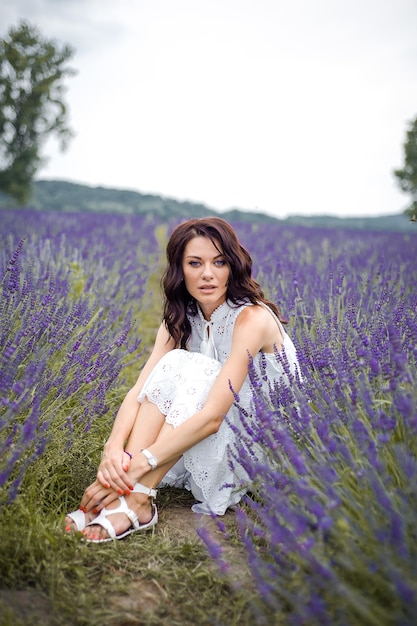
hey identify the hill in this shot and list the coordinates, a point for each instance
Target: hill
(65, 196)
(59, 195)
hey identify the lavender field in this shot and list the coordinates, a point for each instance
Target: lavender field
(330, 534)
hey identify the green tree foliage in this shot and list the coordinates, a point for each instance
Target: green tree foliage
(407, 176)
(32, 70)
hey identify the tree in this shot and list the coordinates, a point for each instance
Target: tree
(32, 70)
(407, 176)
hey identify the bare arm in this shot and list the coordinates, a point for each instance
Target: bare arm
(255, 330)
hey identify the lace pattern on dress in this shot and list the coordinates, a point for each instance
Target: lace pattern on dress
(179, 386)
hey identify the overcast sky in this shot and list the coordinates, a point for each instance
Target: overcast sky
(281, 106)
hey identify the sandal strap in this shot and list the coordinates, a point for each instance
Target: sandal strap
(139, 488)
(103, 521)
(78, 517)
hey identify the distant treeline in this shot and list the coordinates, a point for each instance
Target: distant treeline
(58, 195)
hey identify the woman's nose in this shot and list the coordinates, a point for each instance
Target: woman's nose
(207, 271)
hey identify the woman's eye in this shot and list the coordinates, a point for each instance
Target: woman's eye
(217, 263)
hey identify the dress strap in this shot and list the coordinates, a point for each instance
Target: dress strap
(276, 318)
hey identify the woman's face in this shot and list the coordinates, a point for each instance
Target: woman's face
(206, 273)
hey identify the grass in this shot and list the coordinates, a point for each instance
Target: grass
(164, 577)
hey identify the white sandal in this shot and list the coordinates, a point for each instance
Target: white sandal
(102, 520)
(79, 519)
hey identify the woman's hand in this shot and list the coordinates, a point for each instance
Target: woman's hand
(96, 497)
(113, 470)
(112, 481)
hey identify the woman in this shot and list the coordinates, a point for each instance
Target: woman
(170, 428)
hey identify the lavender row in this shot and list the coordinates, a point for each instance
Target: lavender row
(69, 286)
(330, 533)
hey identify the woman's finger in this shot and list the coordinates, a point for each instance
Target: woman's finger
(108, 499)
(117, 479)
(93, 494)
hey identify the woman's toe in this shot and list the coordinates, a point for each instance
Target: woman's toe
(95, 532)
(70, 525)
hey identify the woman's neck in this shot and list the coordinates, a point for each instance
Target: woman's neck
(207, 311)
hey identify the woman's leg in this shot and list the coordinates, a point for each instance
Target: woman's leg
(149, 424)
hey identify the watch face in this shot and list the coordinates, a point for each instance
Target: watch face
(152, 460)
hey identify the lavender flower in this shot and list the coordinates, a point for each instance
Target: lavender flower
(66, 325)
(334, 488)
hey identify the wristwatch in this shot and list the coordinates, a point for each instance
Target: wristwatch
(152, 460)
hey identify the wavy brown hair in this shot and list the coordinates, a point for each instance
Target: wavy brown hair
(241, 286)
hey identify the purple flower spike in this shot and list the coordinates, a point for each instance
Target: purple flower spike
(66, 311)
(330, 529)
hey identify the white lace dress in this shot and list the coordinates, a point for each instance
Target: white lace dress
(179, 386)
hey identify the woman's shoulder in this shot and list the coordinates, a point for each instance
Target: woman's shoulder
(260, 316)
(254, 312)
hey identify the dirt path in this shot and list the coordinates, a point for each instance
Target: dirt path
(30, 608)
(183, 523)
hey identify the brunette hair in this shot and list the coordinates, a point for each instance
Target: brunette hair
(241, 286)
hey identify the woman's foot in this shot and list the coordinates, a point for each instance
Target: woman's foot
(139, 504)
(76, 521)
